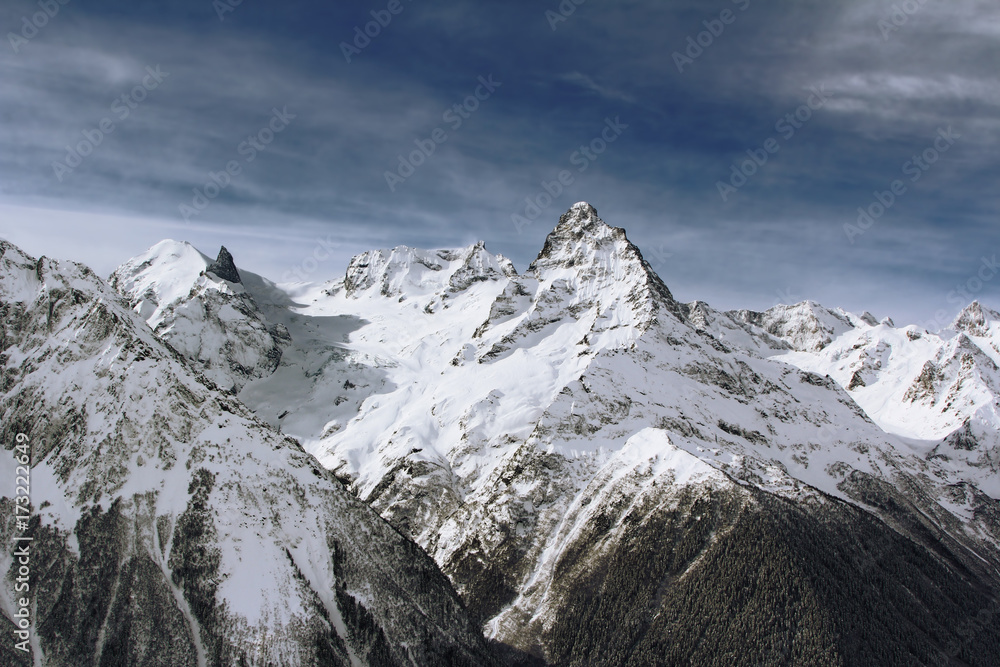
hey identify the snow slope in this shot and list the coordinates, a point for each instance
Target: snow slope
(938, 391)
(212, 321)
(175, 527)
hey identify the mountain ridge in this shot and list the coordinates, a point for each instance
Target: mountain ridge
(609, 476)
(265, 558)
(526, 422)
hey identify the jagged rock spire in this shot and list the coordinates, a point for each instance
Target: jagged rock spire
(581, 220)
(601, 259)
(224, 267)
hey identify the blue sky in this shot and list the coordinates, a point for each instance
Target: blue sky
(644, 108)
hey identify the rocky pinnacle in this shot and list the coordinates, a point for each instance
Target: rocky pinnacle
(224, 267)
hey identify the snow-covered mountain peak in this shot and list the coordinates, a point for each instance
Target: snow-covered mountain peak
(807, 325)
(579, 236)
(164, 274)
(975, 320)
(595, 262)
(700, 314)
(203, 310)
(405, 271)
(176, 253)
(17, 284)
(580, 214)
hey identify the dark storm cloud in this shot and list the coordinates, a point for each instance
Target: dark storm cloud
(889, 82)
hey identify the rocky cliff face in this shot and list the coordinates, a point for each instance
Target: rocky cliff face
(171, 526)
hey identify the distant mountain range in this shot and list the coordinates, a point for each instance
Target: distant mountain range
(437, 460)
